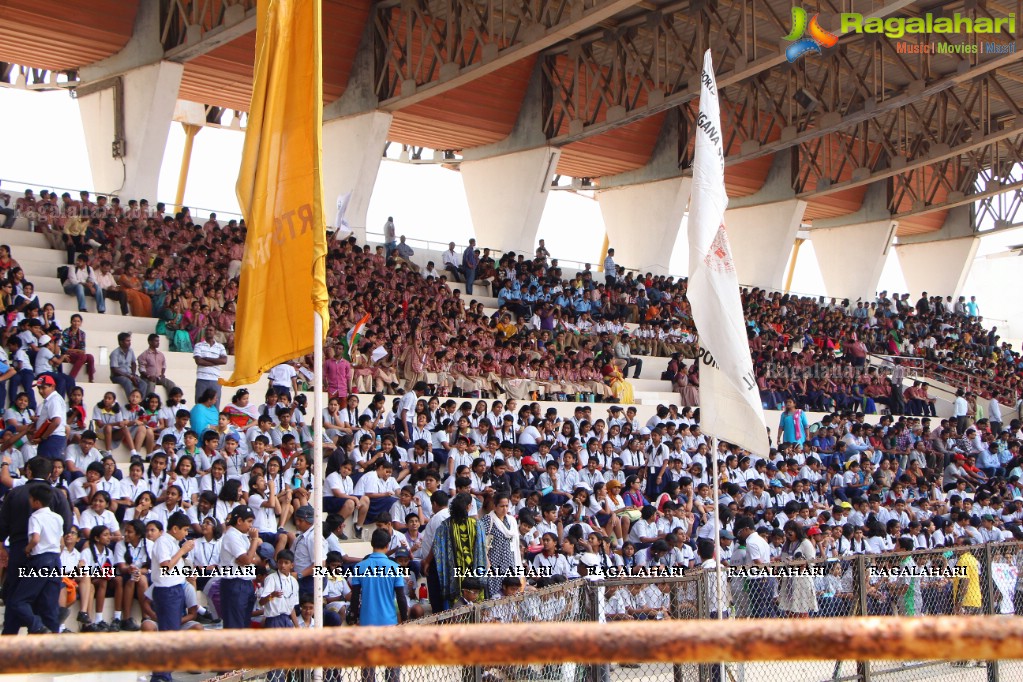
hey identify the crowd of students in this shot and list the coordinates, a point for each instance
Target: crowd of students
(457, 495)
(471, 484)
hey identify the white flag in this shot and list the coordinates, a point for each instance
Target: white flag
(730, 406)
(342, 230)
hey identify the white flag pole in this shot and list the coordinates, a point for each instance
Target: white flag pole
(317, 477)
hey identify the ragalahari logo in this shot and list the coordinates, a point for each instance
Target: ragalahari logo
(818, 38)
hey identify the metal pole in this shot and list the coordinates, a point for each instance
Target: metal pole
(944, 638)
(718, 568)
(862, 582)
(317, 477)
(993, 668)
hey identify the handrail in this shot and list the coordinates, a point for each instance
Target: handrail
(948, 638)
(955, 377)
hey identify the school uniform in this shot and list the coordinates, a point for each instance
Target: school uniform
(34, 602)
(168, 590)
(277, 612)
(237, 595)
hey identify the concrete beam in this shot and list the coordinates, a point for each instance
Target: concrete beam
(931, 158)
(142, 48)
(572, 24)
(724, 80)
(235, 26)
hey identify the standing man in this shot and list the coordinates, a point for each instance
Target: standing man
(470, 261)
(994, 413)
(169, 551)
(758, 553)
(14, 516)
(208, 356)
(610, 269)
(124, 367)
(378, 594)
(153, 366)
(51, 429)
(960, 410)
(390, 243)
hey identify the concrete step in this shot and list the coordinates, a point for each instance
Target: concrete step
(25, 253)
(22, 237)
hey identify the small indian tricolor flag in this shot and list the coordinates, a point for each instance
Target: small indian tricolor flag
(352, 337)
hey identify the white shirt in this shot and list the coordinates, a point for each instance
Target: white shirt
(50, 527)
(164, 550)
(210, 352)
(281, 375)
(233, 545)
(285, 604)
(757, 549)
(53, 407)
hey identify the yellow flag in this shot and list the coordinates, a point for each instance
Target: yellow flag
(283, 277)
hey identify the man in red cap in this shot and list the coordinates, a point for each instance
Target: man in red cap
(51, 427)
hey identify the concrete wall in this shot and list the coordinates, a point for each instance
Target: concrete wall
(150, 94)
(938, 267)
(761, 238)
(643, 222)
(352, 150)
(851, 257)
(507, 195)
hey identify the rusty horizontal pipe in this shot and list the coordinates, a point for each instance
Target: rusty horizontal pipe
(941, 638)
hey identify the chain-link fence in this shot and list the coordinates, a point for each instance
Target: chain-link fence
(978, 579)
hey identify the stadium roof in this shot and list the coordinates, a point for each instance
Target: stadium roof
(611, 82)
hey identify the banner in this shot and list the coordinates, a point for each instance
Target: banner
(283, 277)
(730, 406)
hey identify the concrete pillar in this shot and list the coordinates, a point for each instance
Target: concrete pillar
(643, 221)
(761, 238)
(938, 267)
(352, 150)
(506, 196)
(133, 110)
(940, 262)
(852, 257)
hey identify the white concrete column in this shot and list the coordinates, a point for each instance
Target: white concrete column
(643, 222)
(852, 257)
(352, 150)
(149, 96)
(761, 237)
(507, 195)
(938, 267)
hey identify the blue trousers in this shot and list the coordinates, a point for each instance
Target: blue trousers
(53, 447)
(169, 604)
(237, 598)
(22, 383)
(34, 603)
(78, 291)
(282, 621)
